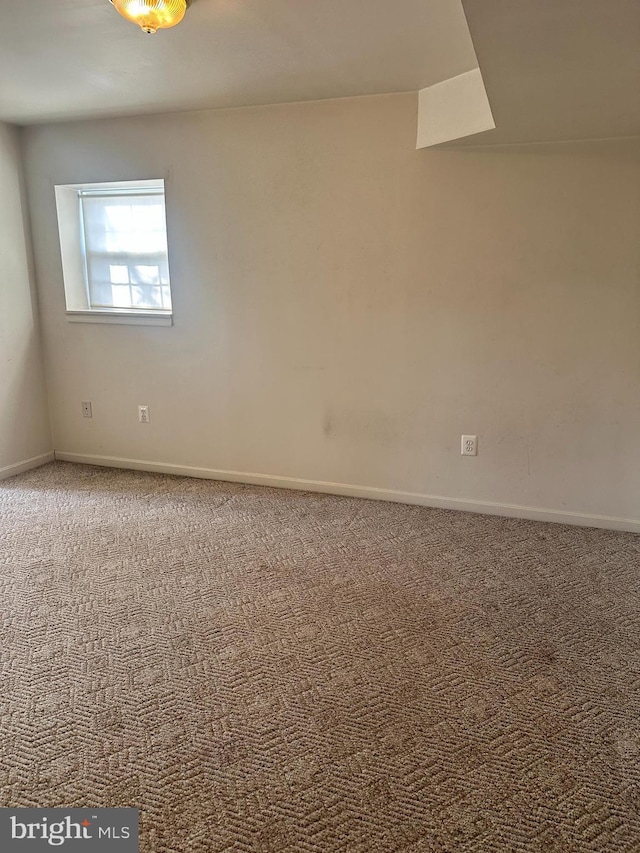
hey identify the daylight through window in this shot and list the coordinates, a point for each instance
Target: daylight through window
(113, 239)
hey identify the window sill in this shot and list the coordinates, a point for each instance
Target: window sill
(124, 318)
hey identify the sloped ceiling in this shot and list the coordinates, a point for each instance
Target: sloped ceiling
(558, 69)
(553, 69)
(79, 58)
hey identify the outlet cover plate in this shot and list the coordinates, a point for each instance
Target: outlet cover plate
(469, 445)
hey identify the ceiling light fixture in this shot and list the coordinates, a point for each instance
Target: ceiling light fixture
(152, 15)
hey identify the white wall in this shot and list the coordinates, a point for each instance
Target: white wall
(24, 420)
(347, 306)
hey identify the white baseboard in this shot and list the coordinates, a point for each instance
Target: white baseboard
(369, 492)
(26, 465)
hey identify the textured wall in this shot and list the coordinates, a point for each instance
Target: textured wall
(347, 306)
(24, 420)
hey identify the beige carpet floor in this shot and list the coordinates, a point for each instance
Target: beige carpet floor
(263, 670)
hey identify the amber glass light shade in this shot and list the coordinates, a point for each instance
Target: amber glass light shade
(152, 15)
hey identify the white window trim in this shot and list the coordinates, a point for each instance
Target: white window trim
(122, 317)
(71, 234)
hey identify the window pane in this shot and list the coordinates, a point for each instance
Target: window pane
(121, 295)
(151, 217)
(126, 243)
(118, 218)
(119, 274)
(146, 296)
(101, 294)
(133, 242)
(141, 274)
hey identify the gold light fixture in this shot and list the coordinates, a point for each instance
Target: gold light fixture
(152, 15)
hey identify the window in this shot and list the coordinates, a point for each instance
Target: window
(113, 241)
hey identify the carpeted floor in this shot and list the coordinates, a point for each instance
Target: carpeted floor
(263, 670)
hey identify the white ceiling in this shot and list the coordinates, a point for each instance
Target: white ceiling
(553, 69)
(63, 59)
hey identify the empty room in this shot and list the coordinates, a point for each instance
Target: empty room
(320, 426)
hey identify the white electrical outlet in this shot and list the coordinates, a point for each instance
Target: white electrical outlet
(86, 409)
(469, 445)
(143, 414)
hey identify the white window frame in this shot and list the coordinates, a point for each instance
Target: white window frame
(73, 256)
